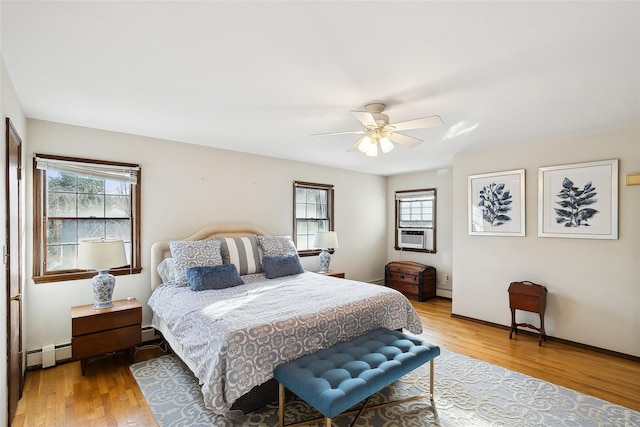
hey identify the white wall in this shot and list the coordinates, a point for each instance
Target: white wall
(442, 181)
(594, 285)
(185, 187)
(10, 107)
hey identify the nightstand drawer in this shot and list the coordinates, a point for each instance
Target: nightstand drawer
(100, 343)
(89, 320)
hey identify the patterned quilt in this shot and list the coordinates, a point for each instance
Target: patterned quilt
(237, 336)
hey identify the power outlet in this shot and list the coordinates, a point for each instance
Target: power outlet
(447, 280)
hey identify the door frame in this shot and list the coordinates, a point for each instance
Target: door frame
(13, 261)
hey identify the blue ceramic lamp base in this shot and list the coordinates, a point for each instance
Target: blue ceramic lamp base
(325, 259)
(103, 284)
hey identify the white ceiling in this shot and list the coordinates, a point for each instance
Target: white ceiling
(261, 77)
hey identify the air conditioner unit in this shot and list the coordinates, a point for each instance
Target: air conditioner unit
(412, 238)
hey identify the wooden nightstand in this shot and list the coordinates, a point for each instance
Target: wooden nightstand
(332, 273)
(99, 331)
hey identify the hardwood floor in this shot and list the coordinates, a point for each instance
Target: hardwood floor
(109, 396)
(605, 376)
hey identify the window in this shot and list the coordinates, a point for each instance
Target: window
(416, 220)
(312, 212)
(79, 199)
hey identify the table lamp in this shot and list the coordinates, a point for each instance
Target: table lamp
(101, 255)
(324, 241)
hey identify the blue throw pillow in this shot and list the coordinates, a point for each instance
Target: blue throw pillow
(216, 277)
(281, 265)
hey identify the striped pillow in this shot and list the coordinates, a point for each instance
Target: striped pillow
(242, 252)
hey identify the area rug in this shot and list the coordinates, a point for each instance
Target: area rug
(468, 392)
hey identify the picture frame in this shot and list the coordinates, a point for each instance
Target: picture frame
(497, 204)
(579, 200)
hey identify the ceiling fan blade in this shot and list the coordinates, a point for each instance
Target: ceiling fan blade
(406, 140)
(355, 146)
(425, 122)
(348, 132)
(365, 118)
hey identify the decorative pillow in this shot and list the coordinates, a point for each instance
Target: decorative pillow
(277, 245)
(217, 277)
(242, 252)
(165, 270)
(281, 265)
(198, 253)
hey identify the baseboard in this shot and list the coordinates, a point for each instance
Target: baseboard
(149, 334)
(63, 351)
(552, 338)
(445, 293)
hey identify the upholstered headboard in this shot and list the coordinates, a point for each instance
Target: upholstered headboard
(160, 250)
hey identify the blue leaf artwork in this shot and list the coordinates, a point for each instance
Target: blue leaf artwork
(574, 204)
(494, 202)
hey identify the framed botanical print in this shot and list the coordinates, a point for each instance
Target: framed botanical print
(497, 204)
(579, 200)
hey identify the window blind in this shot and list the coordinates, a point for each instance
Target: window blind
(118, 173)
(410, 196)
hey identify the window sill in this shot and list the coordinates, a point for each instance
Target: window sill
(427, 251)
(80, 275)
(312, 252)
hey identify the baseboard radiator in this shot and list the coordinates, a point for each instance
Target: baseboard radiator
(50, 354)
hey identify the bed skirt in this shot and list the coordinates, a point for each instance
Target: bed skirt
(257, 397)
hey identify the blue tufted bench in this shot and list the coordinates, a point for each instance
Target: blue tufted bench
(335, 379)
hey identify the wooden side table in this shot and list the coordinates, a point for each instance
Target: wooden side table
(99, 331)
(527, 296)
(332, 273)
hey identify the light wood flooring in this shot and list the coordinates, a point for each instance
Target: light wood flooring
(109, 396)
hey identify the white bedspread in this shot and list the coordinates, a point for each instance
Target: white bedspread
(237, 336)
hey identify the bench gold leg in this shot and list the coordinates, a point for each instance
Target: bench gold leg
(281, 405)
(431, 370)
(431, 388)
(327, 422)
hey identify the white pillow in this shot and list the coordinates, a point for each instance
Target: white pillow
(166, 270)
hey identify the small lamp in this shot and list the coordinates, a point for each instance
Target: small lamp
(325, 240)
(101, 255)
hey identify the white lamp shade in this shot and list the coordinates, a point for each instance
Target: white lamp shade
(364, 144)
(326, 239)
(386, 145)
(101, 254)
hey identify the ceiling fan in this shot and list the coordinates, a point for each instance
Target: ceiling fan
(378, 131)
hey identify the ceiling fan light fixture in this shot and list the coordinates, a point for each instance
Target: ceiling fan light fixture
(365, 144)
(373, 150)
(386, 145)
(377, 129)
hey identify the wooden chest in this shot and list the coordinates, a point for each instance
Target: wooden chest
(416, 281)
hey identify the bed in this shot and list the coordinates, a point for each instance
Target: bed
(232, 338)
